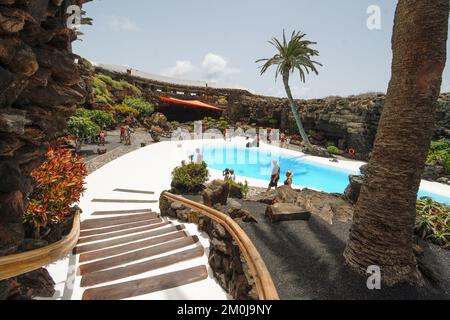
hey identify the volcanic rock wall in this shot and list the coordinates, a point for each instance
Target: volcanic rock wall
(349, 122)
(41, 83)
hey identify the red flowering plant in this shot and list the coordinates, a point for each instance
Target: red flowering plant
(59, 183)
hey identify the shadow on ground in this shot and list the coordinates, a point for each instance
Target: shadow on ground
(305, 259)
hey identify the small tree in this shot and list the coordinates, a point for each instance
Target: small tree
(100, 118)
(295, 55)
(82, 128)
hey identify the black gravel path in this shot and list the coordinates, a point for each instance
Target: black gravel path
(305, 261)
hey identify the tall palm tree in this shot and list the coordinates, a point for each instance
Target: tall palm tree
(293, 55)
(383, 225)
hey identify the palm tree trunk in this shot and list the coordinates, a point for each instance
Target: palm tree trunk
(300, 127)
(383, 226)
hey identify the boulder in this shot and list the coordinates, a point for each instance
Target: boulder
(326, 206)
(354, 188)
(244, 215)
(316, 151)
(236, 191)
(363, 169)
(286, 212)
(158, 120)
(283, 194)
(216, 192)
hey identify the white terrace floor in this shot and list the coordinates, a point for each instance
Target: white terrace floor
(150, 169)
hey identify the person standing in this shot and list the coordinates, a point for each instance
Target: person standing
(275, 177)
(232, 175)
(288, 181)
(199, 159)
(122, 133)
(128, 132)
(102, 138)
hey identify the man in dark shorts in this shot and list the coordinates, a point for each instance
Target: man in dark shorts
(275, 177)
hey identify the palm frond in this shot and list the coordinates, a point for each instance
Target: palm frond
(292, 55)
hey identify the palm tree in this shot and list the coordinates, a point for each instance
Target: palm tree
(293, 55)
(383, 224)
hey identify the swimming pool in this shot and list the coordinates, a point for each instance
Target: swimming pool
(257, 163)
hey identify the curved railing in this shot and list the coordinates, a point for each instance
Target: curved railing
(264, 284)
(18, 264)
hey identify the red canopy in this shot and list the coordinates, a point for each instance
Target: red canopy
(193, 103)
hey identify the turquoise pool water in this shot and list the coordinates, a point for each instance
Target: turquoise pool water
(256, 163)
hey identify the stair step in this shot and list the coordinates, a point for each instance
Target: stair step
(107, 222)
(122, 233)
(144, 286)
(133, 225)
(134, 191)
(123, 201)
(136, 255)
(95, 278)
(101, 213)
(105, 253)
(111, 243)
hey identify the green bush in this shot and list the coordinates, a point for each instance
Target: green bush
(333, 149)
(243, 186)
(125, 111)
(190, 178)
(100, 118)
(101, 91)
(145, 108)
(433, 222)
(82, 127)
(440, 154)
(119, 85)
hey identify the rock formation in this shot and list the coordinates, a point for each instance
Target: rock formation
(41, 83)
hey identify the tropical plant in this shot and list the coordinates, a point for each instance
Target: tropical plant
(295, 55)
(145, 108)
(384, 216)
(190, 177)
(433, 221)
(59, 183)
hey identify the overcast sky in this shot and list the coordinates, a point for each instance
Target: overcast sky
(221, 40)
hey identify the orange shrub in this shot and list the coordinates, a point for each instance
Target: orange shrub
(59, 184)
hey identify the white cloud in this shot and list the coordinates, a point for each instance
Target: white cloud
(119, 23)
(180, 69)
(216, 66)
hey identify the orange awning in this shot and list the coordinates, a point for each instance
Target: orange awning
(193, 103)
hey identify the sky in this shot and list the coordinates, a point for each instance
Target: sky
(221, 40)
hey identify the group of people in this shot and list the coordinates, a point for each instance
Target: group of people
(275, 177)
(284, 141)
(198, 158)
(228, 174)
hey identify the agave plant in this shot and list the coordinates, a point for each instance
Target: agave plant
(293, 55)
(433, 221)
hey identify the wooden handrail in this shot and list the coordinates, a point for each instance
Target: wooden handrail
(21, 263)
(264, 284)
